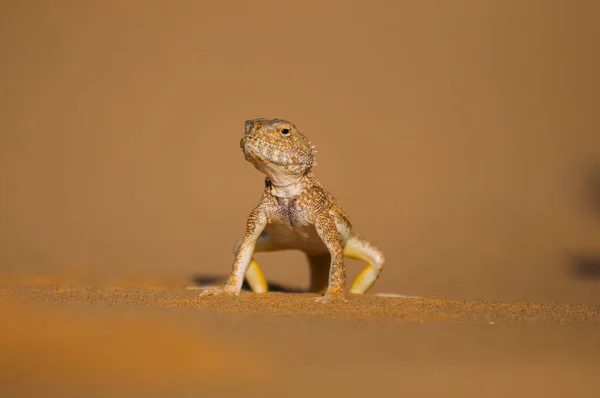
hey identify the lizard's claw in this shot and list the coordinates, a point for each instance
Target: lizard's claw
(219, 291)
(330, 298)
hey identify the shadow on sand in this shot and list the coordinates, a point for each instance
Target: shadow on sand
(203, 279)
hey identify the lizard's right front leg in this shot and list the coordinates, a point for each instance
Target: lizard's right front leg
(254, 226)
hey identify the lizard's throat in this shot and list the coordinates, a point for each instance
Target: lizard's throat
(283, 182)
(288, 189)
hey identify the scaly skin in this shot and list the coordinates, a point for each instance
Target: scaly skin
(296, 213)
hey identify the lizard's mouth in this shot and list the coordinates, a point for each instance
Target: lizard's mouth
(257, 149)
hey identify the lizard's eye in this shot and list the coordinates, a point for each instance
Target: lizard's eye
(285, 131)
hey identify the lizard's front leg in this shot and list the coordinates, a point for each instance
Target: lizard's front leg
(254, 226)
(254, 275)
(327, 230)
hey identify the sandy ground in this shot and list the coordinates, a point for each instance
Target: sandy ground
(146, 342)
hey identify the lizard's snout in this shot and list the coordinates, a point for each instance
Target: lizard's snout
(249, 125)
(252, 125)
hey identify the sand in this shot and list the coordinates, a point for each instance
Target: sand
(145, 342)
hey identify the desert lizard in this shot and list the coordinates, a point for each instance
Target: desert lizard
(295, 212)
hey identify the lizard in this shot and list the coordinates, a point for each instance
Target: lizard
(295, 212)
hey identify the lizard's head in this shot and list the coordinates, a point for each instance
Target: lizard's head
(275, 145)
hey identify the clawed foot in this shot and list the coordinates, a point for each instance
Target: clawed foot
(330, 298)
(219, 291)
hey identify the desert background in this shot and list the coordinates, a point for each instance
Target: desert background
(462, 138)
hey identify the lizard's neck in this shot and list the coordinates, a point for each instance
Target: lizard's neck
(285, 186)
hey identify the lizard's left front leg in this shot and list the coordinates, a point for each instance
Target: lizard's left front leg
(327, 230)
(254, 226)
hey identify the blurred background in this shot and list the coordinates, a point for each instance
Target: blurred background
(462, 138)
